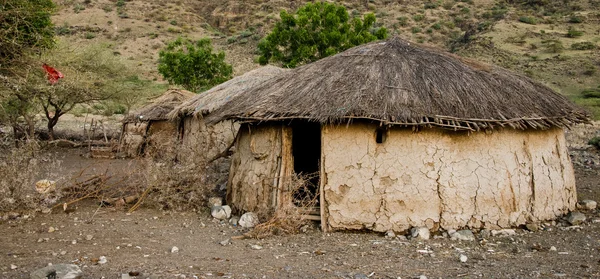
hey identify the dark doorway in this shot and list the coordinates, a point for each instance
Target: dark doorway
(306, 149)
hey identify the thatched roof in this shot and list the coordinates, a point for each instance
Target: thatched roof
(396, 82)
(158, 108)
(217, 96)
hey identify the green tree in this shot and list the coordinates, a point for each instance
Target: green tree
(315, 31)
(193, 65)
(25, 25)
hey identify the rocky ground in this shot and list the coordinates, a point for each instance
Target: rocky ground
(111, 243)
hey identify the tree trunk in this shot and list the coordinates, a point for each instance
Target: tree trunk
(30, 126)
(51, 123)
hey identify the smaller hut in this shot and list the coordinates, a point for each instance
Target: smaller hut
(199, 141)
(150, 123)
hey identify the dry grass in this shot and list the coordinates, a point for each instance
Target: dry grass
(288, 219)
(20, 168)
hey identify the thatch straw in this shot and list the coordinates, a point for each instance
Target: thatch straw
(396, 82)
(158, 108)
(217, 96)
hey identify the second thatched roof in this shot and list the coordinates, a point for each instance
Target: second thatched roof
(396, 82)
(217, 96)
(158, 108)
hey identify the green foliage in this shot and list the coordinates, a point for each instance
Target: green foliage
(403, 21)
(528, 20)
(574, 33)
(64, 29)
(584, 46)
(193, 65)
(575, 19)
(315, 31)
(431, 4)
(595, 142)
(553, 46)
(418, 17)
(25, 25)
(497, 12)
(591, 93)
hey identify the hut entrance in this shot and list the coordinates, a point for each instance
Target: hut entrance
(306, 150)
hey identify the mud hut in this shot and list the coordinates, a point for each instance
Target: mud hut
(402, 135)
(151, 124)
(205, 142)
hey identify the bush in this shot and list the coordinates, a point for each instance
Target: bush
(553, 46)
(584, 46)
(591, 93)
(431, 5)
(193, 65)
(575, 19)
(403, 21)
(315, 31)
(418, 17)
(595, 142)
(528, 20)
(574, 33)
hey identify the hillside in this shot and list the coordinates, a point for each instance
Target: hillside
(556, 43)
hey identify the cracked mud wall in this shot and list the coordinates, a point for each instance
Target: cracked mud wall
(444, 179)
(202, 142)
(255, 168)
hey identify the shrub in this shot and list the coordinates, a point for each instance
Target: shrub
(431, 5)
(437, 26)
(418, 17)
(591, 93)
(315, 31)
(575, 19)
(584, 46)
(415, 30)
(553, 46)
(90, 35)
(528, 20)
(64, 29)
(403, 21)
(595, 142)
(574, 33)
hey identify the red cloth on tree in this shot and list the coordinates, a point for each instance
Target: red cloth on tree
(53, 74)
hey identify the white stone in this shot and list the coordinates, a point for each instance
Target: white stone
(575, 218)
(588, 204)
(504, 232)
(248, 220)
(255, 247)
(174, 249)
(215, 201)
(63, 271)
(464, 235)
(463, 258)
(89, 237)
(45, 186)
(102, 260)
(390, 234)
(221, 212)
(12, 266)
(420, 233)
(553, 248)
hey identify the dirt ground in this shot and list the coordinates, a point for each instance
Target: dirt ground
(142, 242)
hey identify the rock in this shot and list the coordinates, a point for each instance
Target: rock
(587, 204)
(422, 277)
(255, 247)
(89, 237)
(533, 227)
(45, 186)
(125, 276)
(552, 248)
(390, 234)
(51, 229)
(504, 232)
(12, 266)
(225, 242)
(234, 221)
(174, 249)
(485, 233)
(221, 212)
(463, 258)
(102, 260)
(62, 271)
(464, 235)
(575, 218)
(420, 232)
(249, 220)
(215, 201)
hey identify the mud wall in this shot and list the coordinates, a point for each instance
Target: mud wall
(202, 142)
(132, 138)
(443, 179)
(255, 168)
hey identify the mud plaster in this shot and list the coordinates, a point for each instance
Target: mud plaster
(444, 179)
(201, 142)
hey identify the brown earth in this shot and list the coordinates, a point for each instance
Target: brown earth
(142, 242)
